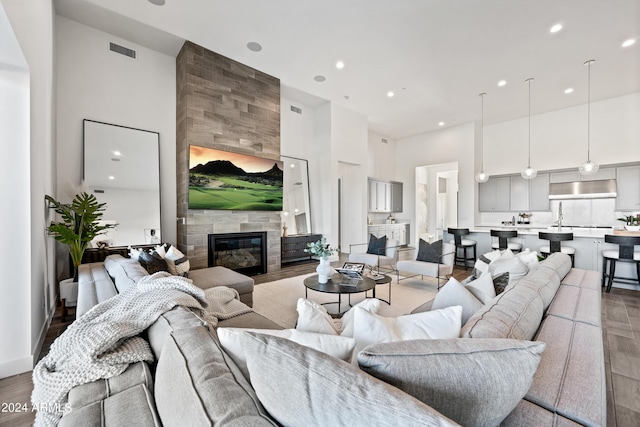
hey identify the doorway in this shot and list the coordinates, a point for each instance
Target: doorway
(436, 200)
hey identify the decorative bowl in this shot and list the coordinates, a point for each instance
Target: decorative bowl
(632, 227)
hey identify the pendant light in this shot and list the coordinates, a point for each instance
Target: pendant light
(588, 167)
(481, 176)
(529, 172)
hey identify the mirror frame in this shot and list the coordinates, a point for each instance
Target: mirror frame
(127, 134)
(307, 194)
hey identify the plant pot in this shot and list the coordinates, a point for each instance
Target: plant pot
(323, 270)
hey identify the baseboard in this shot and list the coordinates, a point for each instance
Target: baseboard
(16, 366)
(43, 335)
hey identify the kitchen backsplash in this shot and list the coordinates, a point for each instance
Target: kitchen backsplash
(600, 212)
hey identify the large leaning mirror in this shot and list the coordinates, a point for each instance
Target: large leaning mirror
(122, 169)
(296, 211)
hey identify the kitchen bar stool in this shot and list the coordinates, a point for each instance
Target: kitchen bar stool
(462, 245)
(625, 253)
(554, 244)
(503, 243)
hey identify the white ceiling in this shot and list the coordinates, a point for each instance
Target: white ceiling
(436, 55)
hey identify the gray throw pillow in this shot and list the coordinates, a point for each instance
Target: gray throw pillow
(475, 382)
(152, 262)
(429, 252)
(500, 282)
(300, 386)
(377, 245)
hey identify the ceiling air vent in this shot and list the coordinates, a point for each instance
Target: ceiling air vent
(384, 140)
(122, 50)
(296, 109)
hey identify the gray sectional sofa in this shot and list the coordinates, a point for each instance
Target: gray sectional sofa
(194, 382)
(99, 281)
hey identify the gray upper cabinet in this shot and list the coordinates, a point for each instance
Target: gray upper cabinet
(539, 193)
(519, 194)
(384, 196)
(494, 195)
(628, 183)
(514, 194)
(571, 176)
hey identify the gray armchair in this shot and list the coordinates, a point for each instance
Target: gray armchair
(442, 269)
(386, 260)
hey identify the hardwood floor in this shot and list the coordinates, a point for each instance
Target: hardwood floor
(621, 334)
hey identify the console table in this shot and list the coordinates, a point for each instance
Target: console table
(292, 247)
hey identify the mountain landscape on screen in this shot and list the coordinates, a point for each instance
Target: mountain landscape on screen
(230, 181)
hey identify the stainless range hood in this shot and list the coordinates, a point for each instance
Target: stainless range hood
(583, 189)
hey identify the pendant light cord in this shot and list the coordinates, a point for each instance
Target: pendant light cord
(529, 162)
(482, 126)
(589, 110)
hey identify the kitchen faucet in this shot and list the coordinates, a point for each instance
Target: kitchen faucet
(560, 216)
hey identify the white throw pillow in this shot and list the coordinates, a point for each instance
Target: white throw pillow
(494, 255)
(506, 254)
(134, 253)
(482, 288)
(313, 317)
(516, 269)
(370, 328)
(454, 293)
(173, 253)
(336, 346)
(372, 305)
(528, 258)
(160, 250)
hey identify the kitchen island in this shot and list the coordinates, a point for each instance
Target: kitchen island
(588, 243)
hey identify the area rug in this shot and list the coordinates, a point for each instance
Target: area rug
(277, 300)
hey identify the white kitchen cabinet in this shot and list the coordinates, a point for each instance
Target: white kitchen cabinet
(400, 232)
(628, 188)
(384, 196)
(494, 195)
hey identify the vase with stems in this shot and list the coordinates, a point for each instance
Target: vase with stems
(322, 250)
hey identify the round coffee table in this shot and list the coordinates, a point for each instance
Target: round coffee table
(334, 286)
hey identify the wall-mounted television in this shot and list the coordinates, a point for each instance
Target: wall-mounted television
(224, 180)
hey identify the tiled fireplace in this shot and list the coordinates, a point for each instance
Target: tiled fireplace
(225, 105)
(245, 253)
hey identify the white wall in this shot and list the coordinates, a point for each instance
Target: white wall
(381, 157)
(26, 128)
(454, 144)
(95, 83)
(327, 136)
(559, 138)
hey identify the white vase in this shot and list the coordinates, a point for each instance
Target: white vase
(323, 269)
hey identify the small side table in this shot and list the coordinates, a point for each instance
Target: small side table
(333, 286)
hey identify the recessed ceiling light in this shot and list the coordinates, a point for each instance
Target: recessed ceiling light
(502, 83)
(157, 2)
(555, 28)
(628, 43)
(254, 46)
(112, 177)
(319, 78)
(441, 124)
(390, 93)
(339, 65)
(568, 90)
(117, 153)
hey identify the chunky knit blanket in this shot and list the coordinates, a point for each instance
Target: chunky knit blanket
(103, 342)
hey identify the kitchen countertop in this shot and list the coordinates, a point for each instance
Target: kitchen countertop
(534, 229)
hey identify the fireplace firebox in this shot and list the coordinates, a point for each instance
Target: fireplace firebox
(245, 253)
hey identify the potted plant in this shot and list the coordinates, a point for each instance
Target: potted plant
(321, 249)
(79, 224)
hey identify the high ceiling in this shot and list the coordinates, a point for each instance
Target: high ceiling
(435, 55)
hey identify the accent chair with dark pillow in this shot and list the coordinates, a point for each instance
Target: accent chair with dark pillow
(385, 258)
(443, 253)
(377, 245)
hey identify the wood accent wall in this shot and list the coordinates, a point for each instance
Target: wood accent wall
(225, 105)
